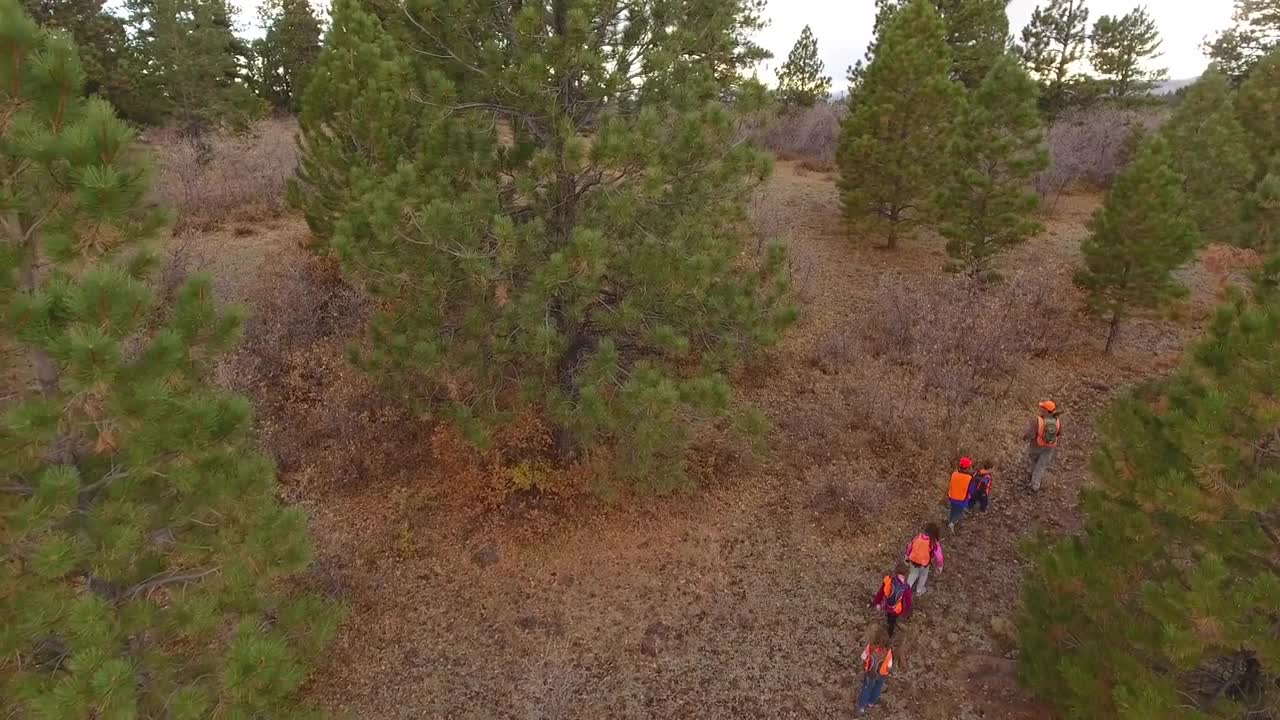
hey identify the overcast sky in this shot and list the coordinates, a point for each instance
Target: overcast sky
(843, 28)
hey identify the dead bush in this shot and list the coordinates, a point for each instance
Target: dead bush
(803, 134)
(1089, 146)
(835, 351)
(837, 494)
(893, 406)
(208, 180)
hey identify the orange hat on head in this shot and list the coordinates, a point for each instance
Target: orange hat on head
(1049, 405)
(965, 463)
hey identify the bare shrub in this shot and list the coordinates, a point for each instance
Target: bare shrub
(835, 351)
(894, 406)
(852, 498)
(803, 134)
(769, 225)
(1089, 146)
(211, 179)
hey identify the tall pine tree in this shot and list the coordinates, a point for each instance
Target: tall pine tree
(893, 141)
(1167, 604)
(142, 540)
(1257, 106)
(1121, 47)
(1052, 44)
(1254, 34)
(1137, 239)
(1210, 150)
(800, 79)
(284, 56)
(561, 232)
(1262, 214)
(978, 35)
(986, 202)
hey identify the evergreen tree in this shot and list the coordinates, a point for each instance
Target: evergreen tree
(1052, 43)
(104, 52)
(194, 70)
(1262, 214)
(1211, 153)
(892, 142)
(1138, 238)
(283, 57)
(800, 79)
(978, 35)
(1166, 605)
(522, 267)
(1120, 46)
(142, 540)
(1254, 34)
(1257, 105)
(885, 10)
(986, 200)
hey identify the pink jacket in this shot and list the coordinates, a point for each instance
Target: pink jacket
(935, 547)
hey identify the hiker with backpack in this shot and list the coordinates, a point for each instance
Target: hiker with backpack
(958, 491)
(877, 661)
(922, 550)
(1042, 437)
(894, 597)
(980, 489)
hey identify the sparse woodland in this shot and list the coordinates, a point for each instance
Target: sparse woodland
(460, 359)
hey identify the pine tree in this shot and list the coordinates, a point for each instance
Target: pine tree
(1211, 153)
(1120, 47)
(194, 70)
(892, 142)
(1166, 605)
(283, 57)
(142, 540)
(1254, 34)
(1138, 238)
(522, 267)
(104, 51)
(986, 201)
(1262, 214)
(885, 10)
(1052, 43)
(1257, 105)
(978, 35)
(800, 79)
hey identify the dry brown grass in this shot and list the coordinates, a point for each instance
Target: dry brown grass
(1088, 146)
(215, 179)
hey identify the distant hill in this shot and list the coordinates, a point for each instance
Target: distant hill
(1172, 86)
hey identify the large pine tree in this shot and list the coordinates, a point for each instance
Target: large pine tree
(893, 141)
(142, 541)
(283, 57)
(1254, 33)
(1257, 105)
(1120, 50)
(978, 35)
(1052, 44)
(1167, 604)
(1137, 239)
(104, 52)
(554, 221)
(800, 79)
(986, 201)
(1210, 150)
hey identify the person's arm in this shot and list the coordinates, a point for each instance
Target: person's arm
(888, 658)
(937, 556)
(879, 598)
(1032, 429)
(865, 652)
(906, 601)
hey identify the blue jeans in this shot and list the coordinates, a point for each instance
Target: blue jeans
(871, 687)
(957, 510)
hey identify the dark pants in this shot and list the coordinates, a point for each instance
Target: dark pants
(872, 684)
(957, 510)
(980, 501)
(891, 622)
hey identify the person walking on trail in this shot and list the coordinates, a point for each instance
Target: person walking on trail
(980, 490)
(894, 597)
(922, 550)
(958, 491)
(877, 662)
(1043, 438)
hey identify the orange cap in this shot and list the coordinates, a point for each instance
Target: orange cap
(1049, 405)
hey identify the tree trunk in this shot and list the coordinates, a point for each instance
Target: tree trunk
(1113, 331)
(46, 370)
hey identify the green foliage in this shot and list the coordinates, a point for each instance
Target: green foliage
(137, 524)
(553, 219)
(194, 70)
(1120, 46)
(1254, 34)
(1165, 606)
(978, 35)
(800, 79)
(1052, 43)
(1258, 106)
(1262, 214)
(892, 142)
(1210, 151)
(1138, 238)
(284, 55)
(986, 201)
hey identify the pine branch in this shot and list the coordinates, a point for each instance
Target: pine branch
(161, 581)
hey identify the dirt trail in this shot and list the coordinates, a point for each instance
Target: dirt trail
(745, 599)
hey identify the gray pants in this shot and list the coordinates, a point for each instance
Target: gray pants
(917, 573)
(1041, 459)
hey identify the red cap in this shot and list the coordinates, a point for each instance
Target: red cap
(965, 463)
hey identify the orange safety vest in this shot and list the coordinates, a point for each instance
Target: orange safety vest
(959, 489)
(919, 553)
(896, 608)
(885, 664)
(1057, 432)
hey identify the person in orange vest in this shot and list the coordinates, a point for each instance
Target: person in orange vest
(958, 491)
(922, 550)
(894, 597)
(877, 661)
(1043, 437)
(980, 490)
